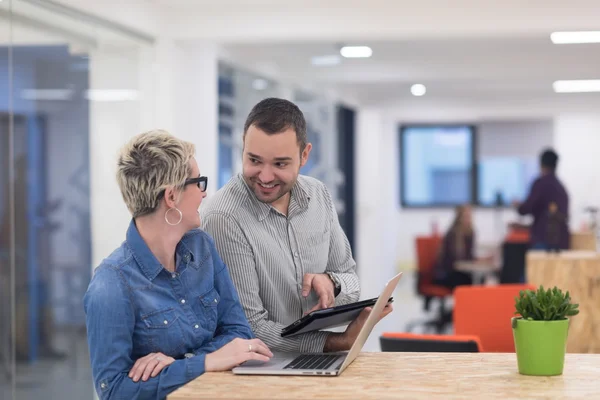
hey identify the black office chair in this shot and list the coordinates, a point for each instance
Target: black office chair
(513, 262)
(409, 342)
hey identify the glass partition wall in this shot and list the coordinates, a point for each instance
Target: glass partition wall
(239, 91)
(65, 79)
(71, 86)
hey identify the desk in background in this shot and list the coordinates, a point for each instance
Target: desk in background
(410, 376)
(579, 273)
(481, 271)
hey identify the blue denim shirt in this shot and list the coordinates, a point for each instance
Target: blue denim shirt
(135, 307)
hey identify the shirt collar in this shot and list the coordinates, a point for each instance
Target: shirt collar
(148, 263)
(299, 199)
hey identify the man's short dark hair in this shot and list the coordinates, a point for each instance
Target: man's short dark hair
(275, 115)
(549, 159)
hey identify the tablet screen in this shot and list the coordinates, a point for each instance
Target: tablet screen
(328, 318)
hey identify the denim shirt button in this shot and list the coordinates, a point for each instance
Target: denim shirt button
(173, 275)
(215, 300)
(166, 322)
(103, 385)
(196, 326)
(182, 301)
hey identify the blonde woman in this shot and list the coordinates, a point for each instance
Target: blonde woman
(161, 309)
(457, 246)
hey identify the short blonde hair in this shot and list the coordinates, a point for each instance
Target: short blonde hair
(150, 163)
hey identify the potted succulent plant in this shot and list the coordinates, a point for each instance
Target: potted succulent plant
(540, 331)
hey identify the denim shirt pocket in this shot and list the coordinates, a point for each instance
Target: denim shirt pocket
(210, 302)
(163, 331)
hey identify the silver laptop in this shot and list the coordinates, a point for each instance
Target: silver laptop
(328, 364)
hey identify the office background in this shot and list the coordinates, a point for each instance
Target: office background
(79, 78)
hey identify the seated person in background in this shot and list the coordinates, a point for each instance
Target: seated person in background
(457, 246)
(279, 234)
(161, 309)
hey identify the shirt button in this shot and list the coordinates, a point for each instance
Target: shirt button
(166, 322)
(103, 385)
(173, 275)
(215, 300)
(196, 326)
(296, 254)
(182, 301)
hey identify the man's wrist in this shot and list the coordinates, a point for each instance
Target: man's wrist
(336, 342)
(337, 284)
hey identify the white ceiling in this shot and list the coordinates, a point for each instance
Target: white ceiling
(24, 23)
(474, 50)
(450, 69)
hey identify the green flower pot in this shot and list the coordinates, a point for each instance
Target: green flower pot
(540, 346)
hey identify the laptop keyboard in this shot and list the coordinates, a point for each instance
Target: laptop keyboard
(317, 361)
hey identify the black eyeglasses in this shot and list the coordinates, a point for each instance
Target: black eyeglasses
(201, 181)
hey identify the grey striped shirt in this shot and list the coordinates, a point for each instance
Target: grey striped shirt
(268, 254)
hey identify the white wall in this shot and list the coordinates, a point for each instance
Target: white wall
(196, 104)
(388, 234)
(577, 140)
(111, 124)
(177, 91)
(375, 223)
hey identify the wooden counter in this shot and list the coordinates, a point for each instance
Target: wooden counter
(579, 273)
(583, 241)
(410, 376)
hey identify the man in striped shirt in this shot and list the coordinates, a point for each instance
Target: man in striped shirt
(279, 234)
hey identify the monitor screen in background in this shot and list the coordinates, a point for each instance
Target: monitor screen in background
(437, 165)
(511, 177)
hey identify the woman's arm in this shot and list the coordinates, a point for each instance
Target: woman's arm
(110, 321)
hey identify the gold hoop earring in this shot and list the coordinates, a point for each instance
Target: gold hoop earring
(167, 214)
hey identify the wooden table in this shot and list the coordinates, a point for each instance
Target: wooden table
(579, 273)
(410, 376)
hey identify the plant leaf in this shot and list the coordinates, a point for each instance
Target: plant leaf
(545, 304)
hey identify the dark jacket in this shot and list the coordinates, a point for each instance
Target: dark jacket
(545, 190)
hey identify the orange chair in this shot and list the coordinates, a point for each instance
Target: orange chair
(410, 342)
(517, 236)
(485, 311)
(428, 248)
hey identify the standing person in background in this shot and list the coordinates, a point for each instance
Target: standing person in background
(547, 195)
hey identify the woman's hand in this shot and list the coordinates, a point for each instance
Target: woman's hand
(149, 366)
(236, 352)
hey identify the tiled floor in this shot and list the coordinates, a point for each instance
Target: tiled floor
(71, 378)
